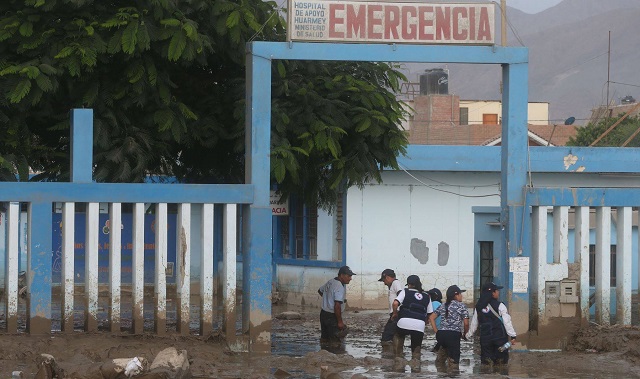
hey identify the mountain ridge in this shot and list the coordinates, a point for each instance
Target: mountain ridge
(568, 45)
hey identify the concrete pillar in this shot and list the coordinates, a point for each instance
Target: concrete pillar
(257, 260)
(560, 235)
(514, 165)
(538, 263)
(39, 266)
(582, 256)
(624, 271)
(603, 265)
(229, 253)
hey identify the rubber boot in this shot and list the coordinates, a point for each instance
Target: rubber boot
(387, 349)
(398, 364)
(441, 360)
(441, 356)
(453, 366)
(416, 359)
(398, 349)
(398, 345)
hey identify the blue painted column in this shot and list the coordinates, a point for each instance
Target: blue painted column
(514, 162)
(40, 218)
(39, 256)
(257, 259)
(82, 145)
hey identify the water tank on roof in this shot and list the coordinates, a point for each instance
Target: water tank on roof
(434, 82)
(628, 100)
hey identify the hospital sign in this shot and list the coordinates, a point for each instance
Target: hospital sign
(391, 22)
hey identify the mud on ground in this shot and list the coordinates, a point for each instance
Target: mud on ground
(596, 352)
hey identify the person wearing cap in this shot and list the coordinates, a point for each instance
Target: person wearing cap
(411, 308)
(454, 324)
(496, 328)
(436, 301)
(388, 277)
(334, 292)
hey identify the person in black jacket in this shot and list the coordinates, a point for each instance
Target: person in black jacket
(496, 329)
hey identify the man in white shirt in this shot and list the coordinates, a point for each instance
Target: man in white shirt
(333, 292)
(388, 277)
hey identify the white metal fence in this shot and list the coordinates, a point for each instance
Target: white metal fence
(210, 299)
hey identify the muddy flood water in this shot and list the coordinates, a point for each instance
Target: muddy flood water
(300, 338)
(596, 352)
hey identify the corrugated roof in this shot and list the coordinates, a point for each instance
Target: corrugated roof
(481, 135)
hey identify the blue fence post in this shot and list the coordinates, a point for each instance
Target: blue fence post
(39, 268)
(257, 254)
(82, 145)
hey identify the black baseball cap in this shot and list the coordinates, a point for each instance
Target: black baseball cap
(491, 286)
(345, 270)
(435, 294)
(387, 272)
(453, 290)
(414, 280)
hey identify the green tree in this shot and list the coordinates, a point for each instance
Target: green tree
(616, 137)
(166, 82)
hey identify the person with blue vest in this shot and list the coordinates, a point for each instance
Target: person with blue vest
(436, 302)
(496, 330)
(411, 308)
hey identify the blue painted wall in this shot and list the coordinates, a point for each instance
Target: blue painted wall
(103, 247)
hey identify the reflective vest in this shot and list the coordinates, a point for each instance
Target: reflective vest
(414, 305)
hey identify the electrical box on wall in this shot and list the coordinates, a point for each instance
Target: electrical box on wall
(569, 291)
(552, 299)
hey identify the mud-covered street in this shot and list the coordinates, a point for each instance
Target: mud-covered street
(612, 352)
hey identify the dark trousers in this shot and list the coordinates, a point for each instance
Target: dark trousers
(489, 352)
(416, 337)
(328, 326)
(450, 340)
(389, 330)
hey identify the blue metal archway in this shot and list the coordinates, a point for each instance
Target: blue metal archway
(260, 55)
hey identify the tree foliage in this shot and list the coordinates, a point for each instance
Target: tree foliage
(616, 138)
(166, 82)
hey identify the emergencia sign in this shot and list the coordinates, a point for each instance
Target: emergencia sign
(391, 22)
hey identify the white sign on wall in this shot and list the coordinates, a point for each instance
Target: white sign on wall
(520, 282)
(391, 22)
(519, 266)
(278, 208)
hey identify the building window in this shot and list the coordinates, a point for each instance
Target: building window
(339, 229)
(296, 236)
(486, 262)
(298, 232)
(464, 116)
(490, 119)
(592, 265)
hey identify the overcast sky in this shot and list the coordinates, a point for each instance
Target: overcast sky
(531, 6)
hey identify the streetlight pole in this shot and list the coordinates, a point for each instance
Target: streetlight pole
(503, 24)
